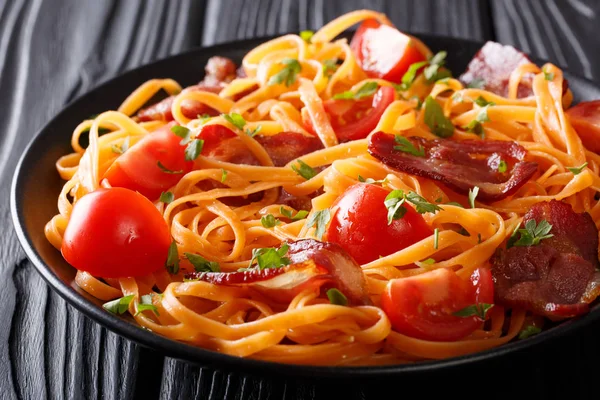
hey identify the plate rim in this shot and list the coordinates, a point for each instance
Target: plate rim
(213, 359)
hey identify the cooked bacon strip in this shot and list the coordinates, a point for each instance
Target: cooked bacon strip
(494, 63)
(460, 165)
(555, 278)
(585, 118)
(314, 264)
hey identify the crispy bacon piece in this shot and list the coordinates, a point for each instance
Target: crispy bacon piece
(556, 278)
(494, 63)
(585, 118)
(460, 165)
(314, 264)
(288, 146)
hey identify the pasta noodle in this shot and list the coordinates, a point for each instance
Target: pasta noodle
(310, 330)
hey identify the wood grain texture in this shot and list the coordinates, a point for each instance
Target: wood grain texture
(51, 51)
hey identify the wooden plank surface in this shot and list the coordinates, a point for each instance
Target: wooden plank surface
(54, 50)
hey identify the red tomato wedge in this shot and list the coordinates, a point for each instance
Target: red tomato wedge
(383, 51)
(116, 233)
(353, 120)
(360, 224)
(585, 118)
(422, 306)
(137, 169)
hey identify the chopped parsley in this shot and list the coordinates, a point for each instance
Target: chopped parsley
(422, 206)
(270, 257)
(502, 166)
(482, 102)
(193, 149)
(548, 75)
(366, 90)
(118, 306)
(289, 214)
(288, 73)
(172, 263)
(532, 235)
(528, 331)
(473, 195)
(307, 35)
(578, 170)
(433, 72)
(146, 304)
(336, 297)
(409, 76)
(428, 261)
(319, 219)
(406, 146)
(304, 170)
(476, 310)
(223, 175)
(235, 119)
(166, 197)
(201, 264)
(476, 83)
(394, 202)
(329, 67)
(436, 120)
(476, 126)
(184, 133)
(457, 97)
(371, 180)
(167, 170)
(254, 132)
(122, 148)
(269, 221)
(203, 118)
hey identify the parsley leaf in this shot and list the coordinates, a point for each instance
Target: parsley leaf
(394, 202)
(476, 310)
(433, 73)
(457, 97)
(428, 261)
(254, 132)
(407, 146)
(422, 206)
(319, 220)
(530, 330)
(436, 238)
(223, 175)
(288, 214)
(476, 83)
(371, 180)
(436, 120)
(118, 306)
(336, 297)
(473, 195)
(203, 118)
(532, 235)
(184, 133)
(482, 116)
(475, 127)
(368, 89)
(409, 76)
(307, 35)
(172, 263)
(235, 119)
(329, 67)
(201, 264)
(548, 75)
(288, 74)
(270, 258)
(121, 149)
(482, 102)
(167, 170)
(166, 197)
(502, 166)
(193, 149)
(454, 203)
(146, 304)
(269, 221)
(304, 170)
(578, 170)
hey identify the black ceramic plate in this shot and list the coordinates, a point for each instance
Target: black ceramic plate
(36, 185)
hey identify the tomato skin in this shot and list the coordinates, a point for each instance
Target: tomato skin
(360, 224)
(422, 306)
(137, 169)
(585, 118)
(354, 120)
(115, 233)
(383, 51)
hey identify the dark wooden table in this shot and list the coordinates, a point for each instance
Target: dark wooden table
(52, 51)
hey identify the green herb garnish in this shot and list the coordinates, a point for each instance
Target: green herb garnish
(578, 170)
(304, 170)
(476, 310)
(301, 214)
(201, 264)
(336, 297)
(235, 119)
(166, 197)
(270, 258)
(118, 306)
(172, 263)
(406, 146)
(319, 219)
(532, 235)
(269, 221)
(436, 120)
(288, 74)
(368, 89)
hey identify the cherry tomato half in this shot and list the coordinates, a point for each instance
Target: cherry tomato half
(137, 169)
(383, 51)
(361, 227)
(422, 306)
(353, 120)
(585, 118)
(115, 233)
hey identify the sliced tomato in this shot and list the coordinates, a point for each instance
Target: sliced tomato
(585, 118)
(138, 168)
(423, 306)
(116, 233)
(360, 224)
(353, 120)
(383, 51)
